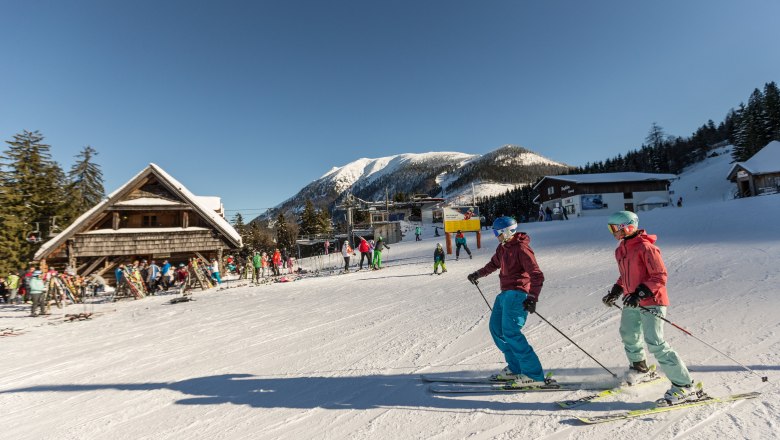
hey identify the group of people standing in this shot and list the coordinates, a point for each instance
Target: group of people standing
(264, 264)
(641, 285)
(370, 252)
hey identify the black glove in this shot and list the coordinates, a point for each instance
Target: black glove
(610, 298)
(639, 294)
(529, 305)
(473, 278)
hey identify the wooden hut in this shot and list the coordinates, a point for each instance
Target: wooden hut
(152, 216)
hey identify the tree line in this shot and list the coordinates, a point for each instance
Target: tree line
(38, 198)
(749, 128)
(283, 231)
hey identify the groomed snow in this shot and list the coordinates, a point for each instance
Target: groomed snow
(339, 357)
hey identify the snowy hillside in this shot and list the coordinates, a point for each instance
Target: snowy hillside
(339, 357)
(367, 170)
(437, 174)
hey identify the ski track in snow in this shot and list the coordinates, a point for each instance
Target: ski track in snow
(339, 356)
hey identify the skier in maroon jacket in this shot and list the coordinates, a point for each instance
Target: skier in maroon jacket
(521, 281)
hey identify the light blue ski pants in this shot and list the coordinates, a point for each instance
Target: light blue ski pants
(636, 324)
(506, 323)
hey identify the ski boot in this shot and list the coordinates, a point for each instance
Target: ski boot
(680, 394)
(639, 372)
(505, 375)
(525, 381)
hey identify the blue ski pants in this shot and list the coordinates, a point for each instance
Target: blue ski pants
(506, 323)
(636, 325)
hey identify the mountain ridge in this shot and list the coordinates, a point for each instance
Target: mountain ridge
(436, 174)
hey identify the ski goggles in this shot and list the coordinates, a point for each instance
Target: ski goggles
(498, 232)
(616, 228)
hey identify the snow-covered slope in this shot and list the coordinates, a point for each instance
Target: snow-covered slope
(437, 174)
(338, 357)
(367, 170)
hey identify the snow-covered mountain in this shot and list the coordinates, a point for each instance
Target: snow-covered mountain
(437, 174)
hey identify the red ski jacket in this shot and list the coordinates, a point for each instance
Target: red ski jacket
(639, 262)
(363, 246)
(517, 263)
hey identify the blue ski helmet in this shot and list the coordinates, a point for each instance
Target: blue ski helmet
(505, 225)
(625, 221)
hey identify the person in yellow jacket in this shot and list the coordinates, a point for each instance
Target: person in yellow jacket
(12, 286)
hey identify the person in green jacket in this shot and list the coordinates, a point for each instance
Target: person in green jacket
(36, 293)
(380, 244)
(257, 263)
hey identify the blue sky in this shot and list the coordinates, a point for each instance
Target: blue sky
(251, 100)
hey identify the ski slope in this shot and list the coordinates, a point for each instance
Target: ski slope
(339, 357)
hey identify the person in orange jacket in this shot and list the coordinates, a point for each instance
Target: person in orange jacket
(277, 261)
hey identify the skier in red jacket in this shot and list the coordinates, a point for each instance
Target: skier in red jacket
(642, 282)
(521, 282)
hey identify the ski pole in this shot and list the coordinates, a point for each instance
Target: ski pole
(556, 328)
(654, 313)
(575, 344)
(483, 296)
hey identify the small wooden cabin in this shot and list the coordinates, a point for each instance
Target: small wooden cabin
(152, 216)
(760, 174)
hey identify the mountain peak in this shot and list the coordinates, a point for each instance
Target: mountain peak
(432, 173)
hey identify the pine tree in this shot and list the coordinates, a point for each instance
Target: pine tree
(86, 182)
(309, 224)
(324, 222)
(31, 194)
(285, 237)
(772, 110)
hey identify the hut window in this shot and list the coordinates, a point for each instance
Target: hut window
(149, 221)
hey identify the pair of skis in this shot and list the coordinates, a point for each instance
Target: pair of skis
(472, 385)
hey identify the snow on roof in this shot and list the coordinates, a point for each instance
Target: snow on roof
(212, 202)
(654, 200)
(144, 230)
(610, 177)
(147, 201)
(765, 161)
(199, 205)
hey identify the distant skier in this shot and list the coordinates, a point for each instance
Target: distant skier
(365, 253)
(380, 244)
(521, 282)
(642, 282)
(417, 233)
(346, 252)
(438, 259)
(276, 261)
(215, 271)
(257, 264)
(460, 241)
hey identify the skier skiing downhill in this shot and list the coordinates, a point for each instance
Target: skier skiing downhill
(521, 282)
(642, 282)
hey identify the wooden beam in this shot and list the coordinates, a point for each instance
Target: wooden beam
(109, 265)
(92, 266)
